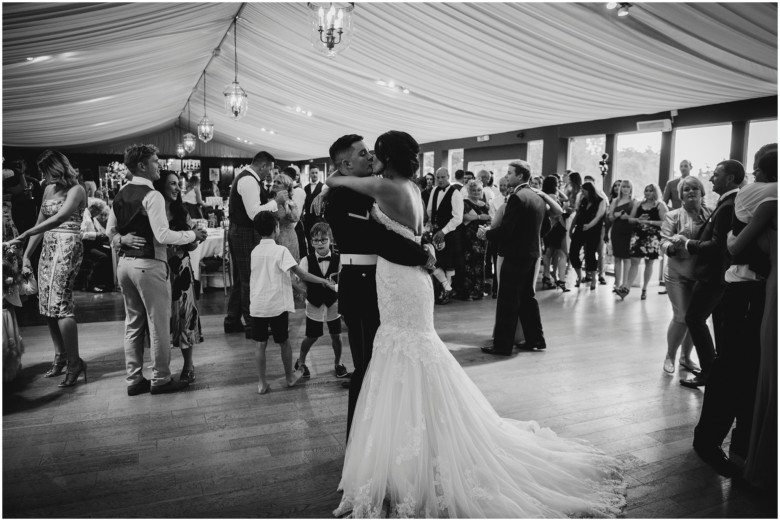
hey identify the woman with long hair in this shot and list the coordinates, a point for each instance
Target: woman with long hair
(192, 198)
(647, 218)
(678, 277)
(288, 215)
(555, 256)
(619, 211)
(59, 226)
(586, 232)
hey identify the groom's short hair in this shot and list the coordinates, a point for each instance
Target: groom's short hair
(341, 146)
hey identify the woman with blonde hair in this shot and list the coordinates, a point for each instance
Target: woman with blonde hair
(620, 234)
(685, 221)
(288, 215)
(647, 218)
(59, 225)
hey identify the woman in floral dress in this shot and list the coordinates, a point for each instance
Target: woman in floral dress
(288, 215)
(647, 218)
(59, 226)
(475, 214)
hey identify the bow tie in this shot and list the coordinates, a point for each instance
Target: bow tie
(323, 259)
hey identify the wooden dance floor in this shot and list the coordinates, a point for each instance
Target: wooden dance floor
(221, 450)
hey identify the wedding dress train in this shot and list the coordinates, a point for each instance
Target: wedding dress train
(425, 442)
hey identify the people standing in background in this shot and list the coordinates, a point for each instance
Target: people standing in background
(475, 214)
(445, 215)
(192, 199)
(59, 226)
(555, 253)
(647, 218)
(248, 197)
(492, 249)
(586, 231)
(287, 216)
(671, 195)
(299, 198)
(313, 189)
(620, 210)
(459, 178)
(425, 193)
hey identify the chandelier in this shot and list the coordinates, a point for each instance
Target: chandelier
(235, 97)
(331, 26)
(205, 127)
(189, 140)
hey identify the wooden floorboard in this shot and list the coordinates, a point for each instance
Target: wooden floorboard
(219, 450)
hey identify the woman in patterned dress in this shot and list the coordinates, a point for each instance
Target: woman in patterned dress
(185, 323)
(59, 225)
(647, 216)
(288, 215)
(475, 214)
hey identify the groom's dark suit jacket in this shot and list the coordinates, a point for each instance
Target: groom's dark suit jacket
(348, 214)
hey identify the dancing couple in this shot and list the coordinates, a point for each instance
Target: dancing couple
(422, 439)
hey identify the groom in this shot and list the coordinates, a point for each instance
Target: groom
(360, 240)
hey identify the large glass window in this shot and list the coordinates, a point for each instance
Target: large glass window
(760, 133)
(638, 158)
(455, 161)
(535, 151)
(585, 154)
(428, 163)
(497, 167)
(704, 147)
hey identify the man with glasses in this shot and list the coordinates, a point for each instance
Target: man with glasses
(248, 197)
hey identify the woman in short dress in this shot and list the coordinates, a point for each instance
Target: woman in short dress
(288, 215)
(647, 218)
(620, 235)
(59, 226)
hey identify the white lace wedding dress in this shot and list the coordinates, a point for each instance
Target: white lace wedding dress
(426, 443)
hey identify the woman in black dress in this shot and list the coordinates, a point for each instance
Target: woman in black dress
(586, 232)
(620, 235)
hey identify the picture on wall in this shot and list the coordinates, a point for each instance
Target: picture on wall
(214, 174)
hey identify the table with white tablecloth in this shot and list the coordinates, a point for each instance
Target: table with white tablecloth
(213, 246)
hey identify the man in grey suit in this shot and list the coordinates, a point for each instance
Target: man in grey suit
(519, 242)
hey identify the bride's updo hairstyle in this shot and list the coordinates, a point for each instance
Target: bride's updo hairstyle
(399, 150)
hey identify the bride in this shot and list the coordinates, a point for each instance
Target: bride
(425, 442)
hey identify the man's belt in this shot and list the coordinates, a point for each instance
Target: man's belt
(356, 259)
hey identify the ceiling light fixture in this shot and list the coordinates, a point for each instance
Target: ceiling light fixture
(303, 112)
(205, 127)
(179, 147)
(331, 26)
(392, 85)
(611, 5)
(189, 140)
(623, 11)
(236, 103)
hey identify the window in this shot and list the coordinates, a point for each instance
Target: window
(497, 167)
(638, 159)
(455, 161)
(760, 133)
(704, 147)
(535, 150)
(585, 154)
(428, 163)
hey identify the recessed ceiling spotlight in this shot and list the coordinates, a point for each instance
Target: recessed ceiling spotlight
(263, 129)
(378, 82)
(29, 59)
(272, 132)
(391, 84)
(623, 11)
(406, 91)
(298, 109)
(238, 138)
(308, 113)
(611, 5)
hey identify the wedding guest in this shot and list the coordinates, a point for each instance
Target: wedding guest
(299, 198)
(185, 318)
(671, 193)
(586, 232)
(536, 182)
(192, 198)
(486, 179)
(321, 303)
(97, 248)
(475, 214)
(287, 214)
(620, 210)
(603, 239)
(430, 179)
(313, 189)
(138, 225)
(555, 254)
(445, 215)
(572, 189)
(685, 221)
(272, 298)
(247, 198)
(59, 226)
(647, 218)
(492, 248)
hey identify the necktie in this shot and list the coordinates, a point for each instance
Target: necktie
(268, 187)
(323, 259)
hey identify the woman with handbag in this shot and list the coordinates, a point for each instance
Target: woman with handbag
(59, 226)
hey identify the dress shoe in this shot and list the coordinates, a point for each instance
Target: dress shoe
(695, 382)
(717, 459)
(492, 351)
(602, 280)
(444, 297)
(172, 386)
(139, 388)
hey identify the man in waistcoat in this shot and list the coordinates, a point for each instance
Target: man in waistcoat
(139, 226)
(248, 197)
(445, 214)
(312, 190)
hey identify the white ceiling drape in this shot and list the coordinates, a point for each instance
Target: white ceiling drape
(108, 72)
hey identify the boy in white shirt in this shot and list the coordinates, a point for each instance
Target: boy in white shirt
(271, 298)
(321, 304)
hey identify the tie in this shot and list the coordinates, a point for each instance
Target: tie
(323, 259)
(268, 187)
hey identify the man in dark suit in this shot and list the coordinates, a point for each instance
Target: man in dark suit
(519, 242)
(361, 240)
(308, 216)
(712, 261)
(248, 197)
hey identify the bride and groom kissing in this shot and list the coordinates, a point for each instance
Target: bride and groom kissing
(422, 440)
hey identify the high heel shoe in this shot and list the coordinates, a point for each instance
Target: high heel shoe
(187, 375)
(60, 362)
(644, 295)
(562, 286)
(547, 282)
(622, 291)
(577, 283)
(593, 283)
(71, 377)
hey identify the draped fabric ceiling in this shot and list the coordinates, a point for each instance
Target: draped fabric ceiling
(104, 74)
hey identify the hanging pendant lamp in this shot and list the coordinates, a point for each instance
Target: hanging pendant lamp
(236, 104)
(331, 26)
(205, 127)
(189, 140)
(179, 147)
